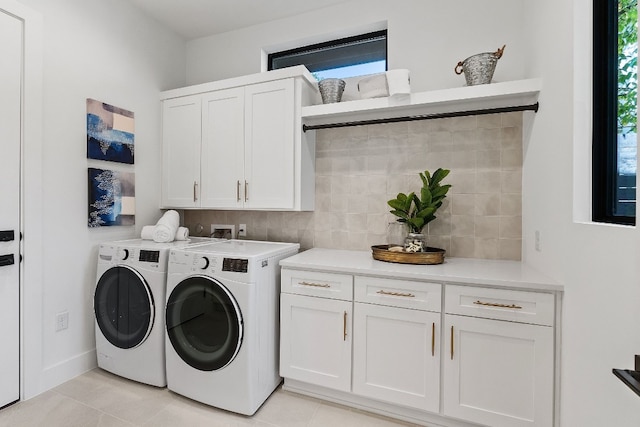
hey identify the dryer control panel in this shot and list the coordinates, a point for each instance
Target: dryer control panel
(236, 265)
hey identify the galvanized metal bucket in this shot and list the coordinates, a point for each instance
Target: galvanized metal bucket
(478, 69)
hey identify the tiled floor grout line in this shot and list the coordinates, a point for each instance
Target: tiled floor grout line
(95, 409)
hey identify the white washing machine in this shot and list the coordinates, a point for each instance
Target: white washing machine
(128, 304)
(222, 324)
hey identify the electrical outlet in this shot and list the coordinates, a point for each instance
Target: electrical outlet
(223, 231)
(242, 230)
(537, 241)
(62, 321)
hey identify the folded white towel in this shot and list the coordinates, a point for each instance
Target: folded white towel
(182, 233)
(167, 227)
(147, 232)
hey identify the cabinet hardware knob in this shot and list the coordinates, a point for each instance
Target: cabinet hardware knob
(238, 190)
(195, 191)
(396, 294)
(317, 285)
(344, 326)
(246, 191)
(495, 304)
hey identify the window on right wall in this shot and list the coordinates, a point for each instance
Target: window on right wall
(615, 110)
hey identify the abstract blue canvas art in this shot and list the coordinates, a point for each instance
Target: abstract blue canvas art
(112, 198)
(110, 132)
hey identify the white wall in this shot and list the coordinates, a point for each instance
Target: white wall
(428, 37)
(598, 264)
(110, 52)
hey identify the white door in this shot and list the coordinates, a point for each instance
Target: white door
(269, 145)
(315, 340)
(222, 162)
(181, 135)
(396, 355)
(10, 137)
(498, 373)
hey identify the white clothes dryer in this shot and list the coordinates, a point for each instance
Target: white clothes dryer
(128, 304)
(222, 322)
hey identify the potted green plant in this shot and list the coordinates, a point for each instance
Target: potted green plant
(417, 211)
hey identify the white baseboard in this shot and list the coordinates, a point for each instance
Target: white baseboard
(53, 376)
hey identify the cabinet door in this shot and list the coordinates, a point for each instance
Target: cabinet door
(315, 341)
(222, 161)
(181, 136)
(396, 355)
(269, 145)
(498, 373)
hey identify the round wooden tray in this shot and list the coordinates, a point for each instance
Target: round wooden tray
(431, 256)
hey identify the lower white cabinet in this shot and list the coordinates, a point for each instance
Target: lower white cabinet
(316, 341)
(429, 353)
(498, 373)
(396, 355)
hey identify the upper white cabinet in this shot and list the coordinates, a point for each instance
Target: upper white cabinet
(181, 134)
(239, 147)
(222, 159)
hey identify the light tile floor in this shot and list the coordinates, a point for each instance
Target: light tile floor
(98, 398)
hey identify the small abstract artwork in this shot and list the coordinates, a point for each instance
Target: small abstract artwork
(112, 199)
(110, 132)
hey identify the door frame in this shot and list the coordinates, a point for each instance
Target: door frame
(31, 218)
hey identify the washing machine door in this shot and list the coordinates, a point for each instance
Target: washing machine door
(124, 308)
(204, 323)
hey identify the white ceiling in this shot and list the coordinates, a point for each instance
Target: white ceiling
(198, 18)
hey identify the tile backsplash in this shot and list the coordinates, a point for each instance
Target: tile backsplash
(359, 168)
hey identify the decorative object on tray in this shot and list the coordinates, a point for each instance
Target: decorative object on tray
(391, 253)
(331, 90)
(416, 212)
(478, 69)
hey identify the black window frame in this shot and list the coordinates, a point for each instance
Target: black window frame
(605, 114)
(319, 47)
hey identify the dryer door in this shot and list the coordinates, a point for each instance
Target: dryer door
(204, 323)
(123, 306)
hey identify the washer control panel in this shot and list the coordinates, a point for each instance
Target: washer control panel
(236, 265)
(149, 256)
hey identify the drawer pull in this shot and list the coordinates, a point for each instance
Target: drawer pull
(344, 327)
(495, 304)
(451, 342)
(433, 339)
(396, 294)
(315, 285)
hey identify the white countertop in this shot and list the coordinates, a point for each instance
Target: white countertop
(494, 273)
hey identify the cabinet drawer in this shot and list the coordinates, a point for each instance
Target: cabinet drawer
(398, 293)
(502, 304)
(318, 284)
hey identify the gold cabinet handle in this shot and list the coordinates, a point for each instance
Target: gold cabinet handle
(433, 339)
(495, 304)
(195, 191)
(344, 326)
(238, 190)
(452, 342)
(396, 294)
(246, 191)
(316, 285)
